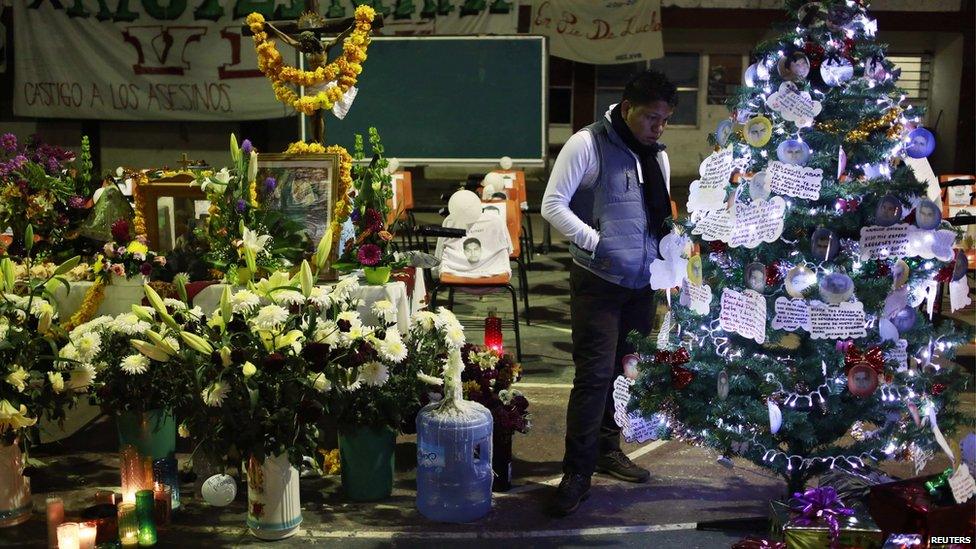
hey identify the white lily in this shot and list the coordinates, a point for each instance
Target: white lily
(255, 242)
(218, 180)
(252, 166)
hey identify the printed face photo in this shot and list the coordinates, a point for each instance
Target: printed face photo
(723, 131)
(921, 143)
(888, 212)
(836, 288)
(472, 250)
(491, 209)
(794, 66)
(758, 189)
(792, 151)
(758, 131)
(899, 274)
(824, 245)
(722, 384)
(862, 380)
(755, 275)
(962, 266)
(927, 215)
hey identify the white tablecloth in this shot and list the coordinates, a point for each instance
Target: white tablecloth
(119, 297)
(396, 292)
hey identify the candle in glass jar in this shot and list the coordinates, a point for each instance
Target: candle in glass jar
(145, 506)
(87, 532)
(68, 536)
(128, 525)
(105, 497)
(136, 471)
(55, 516)
(163, 500)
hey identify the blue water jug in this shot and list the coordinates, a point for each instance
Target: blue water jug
(454, 473)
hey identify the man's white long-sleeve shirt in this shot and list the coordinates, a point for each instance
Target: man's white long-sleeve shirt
(578, 164)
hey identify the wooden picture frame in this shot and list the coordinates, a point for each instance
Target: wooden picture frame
(306, 190)
(177, 188)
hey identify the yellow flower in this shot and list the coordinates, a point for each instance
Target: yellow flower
(137, 247)
(14, 418)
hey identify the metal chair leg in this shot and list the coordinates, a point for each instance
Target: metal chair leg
(433, 295)
(450, 297)
(524, 286)
(515, 323)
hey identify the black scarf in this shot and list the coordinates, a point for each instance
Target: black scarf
(657, 202)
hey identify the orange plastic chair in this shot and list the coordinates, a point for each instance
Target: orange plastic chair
(513, 222)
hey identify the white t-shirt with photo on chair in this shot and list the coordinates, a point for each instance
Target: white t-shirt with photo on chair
(483, 251)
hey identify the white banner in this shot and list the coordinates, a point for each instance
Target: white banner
(131, 60)
(603, 32)
(425, 17)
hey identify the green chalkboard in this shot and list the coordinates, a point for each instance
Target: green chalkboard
(451, 99)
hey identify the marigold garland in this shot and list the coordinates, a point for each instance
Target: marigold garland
(89, 305)
(343, 70)
(343, 206)
(139, 216)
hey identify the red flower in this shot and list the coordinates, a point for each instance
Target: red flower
(369, 255)
(374, 221)
(120, 231)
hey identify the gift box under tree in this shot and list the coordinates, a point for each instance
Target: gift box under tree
(907, 506)
(820, 520)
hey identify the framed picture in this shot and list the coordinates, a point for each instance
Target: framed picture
(173, 208)
(307, 189)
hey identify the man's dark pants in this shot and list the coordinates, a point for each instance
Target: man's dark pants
(603, 314)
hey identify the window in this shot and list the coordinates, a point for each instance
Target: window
(915, 79)
(683, 69)
(724, 77)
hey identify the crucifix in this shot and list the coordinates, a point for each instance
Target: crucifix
(305, 36)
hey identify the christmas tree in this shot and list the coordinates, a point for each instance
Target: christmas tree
(800, 340)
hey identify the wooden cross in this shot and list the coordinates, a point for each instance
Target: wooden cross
(185, 162)
(289, 32)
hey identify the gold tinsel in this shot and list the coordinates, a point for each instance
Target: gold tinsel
(864, 129)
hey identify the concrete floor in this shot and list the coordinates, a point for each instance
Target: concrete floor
(687, 486)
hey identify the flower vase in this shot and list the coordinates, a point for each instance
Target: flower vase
(377, 276)
(273, 506)
(15, 494)
(366, 461)
(501, 461)
(122, 294)
(153, 433)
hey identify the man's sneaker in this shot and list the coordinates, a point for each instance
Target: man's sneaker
(617, 464)
(573, 490)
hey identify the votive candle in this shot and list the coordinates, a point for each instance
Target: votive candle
(145, 506)
(105, 496)
(136, 471)
(128, 524)
(87, 532)
(163, 500)
(55, 516)
(68, 536)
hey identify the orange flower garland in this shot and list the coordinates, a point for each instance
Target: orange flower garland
(343, 70)
(139, 218)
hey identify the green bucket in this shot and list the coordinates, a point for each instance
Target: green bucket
(153, 433)
(366, 458)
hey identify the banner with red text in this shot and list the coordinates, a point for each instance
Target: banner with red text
(139, 60)
(601, 32)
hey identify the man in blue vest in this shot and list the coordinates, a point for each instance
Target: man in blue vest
(609, 194)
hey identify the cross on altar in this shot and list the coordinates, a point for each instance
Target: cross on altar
(185, 162)
(305, 36)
